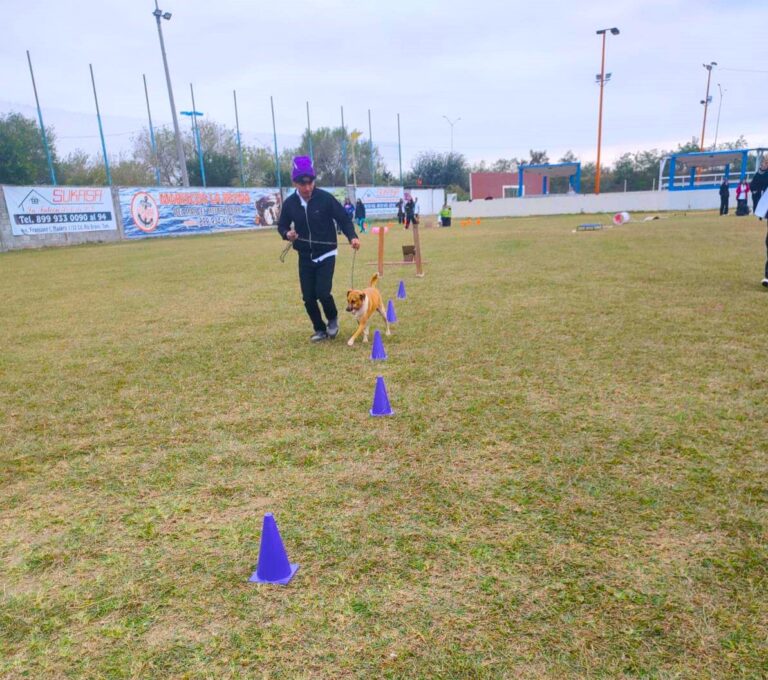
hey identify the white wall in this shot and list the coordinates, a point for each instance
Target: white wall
(641, 201)
(430, 200)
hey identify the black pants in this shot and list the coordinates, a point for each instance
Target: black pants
(316, 280)
(723, 205)
(766, 256)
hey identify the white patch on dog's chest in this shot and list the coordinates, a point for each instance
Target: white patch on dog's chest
(363, 311)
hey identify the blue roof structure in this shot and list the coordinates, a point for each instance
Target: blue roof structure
(570, 170)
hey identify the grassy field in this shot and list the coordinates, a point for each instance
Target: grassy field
(573, 484)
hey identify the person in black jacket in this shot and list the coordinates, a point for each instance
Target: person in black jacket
(308, 219)
(759, 183)
(360, 215)
(758, 186)
(725, 193)
(410, 213)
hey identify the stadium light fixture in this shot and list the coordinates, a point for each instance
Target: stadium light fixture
(719, 107)
(158, 14)
(452, 123)
(602, 80)
(706, 99)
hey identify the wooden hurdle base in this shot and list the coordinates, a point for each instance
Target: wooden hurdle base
(402, 262)
(411, 254)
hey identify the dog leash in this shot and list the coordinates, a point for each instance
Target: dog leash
(288, 248)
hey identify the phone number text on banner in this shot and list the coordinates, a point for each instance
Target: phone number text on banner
(148, 211)
(58, 210)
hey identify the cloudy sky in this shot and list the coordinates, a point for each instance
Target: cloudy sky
(518, 75)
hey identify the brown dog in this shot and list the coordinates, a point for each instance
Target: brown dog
(362, 304)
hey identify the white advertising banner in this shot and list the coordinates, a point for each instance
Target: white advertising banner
(379, 202)
(59, 210)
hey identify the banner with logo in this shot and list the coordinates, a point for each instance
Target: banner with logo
(59, 210)
(379, 202)
(153, 211)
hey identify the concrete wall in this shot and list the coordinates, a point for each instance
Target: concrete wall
(8, 241)
(430, 200)
(637, 201)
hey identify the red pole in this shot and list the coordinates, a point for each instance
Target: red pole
(706, 102)
(600, 118)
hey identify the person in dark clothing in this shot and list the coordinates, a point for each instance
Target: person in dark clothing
(759, 183)
(410, 213)
(308, 220)
(725, 194)
(360, 215)
(400, 212)
(758, 186)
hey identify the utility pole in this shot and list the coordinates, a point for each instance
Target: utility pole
(709, 68)
(158, 13)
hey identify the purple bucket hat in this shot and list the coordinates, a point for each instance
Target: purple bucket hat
(302, 167)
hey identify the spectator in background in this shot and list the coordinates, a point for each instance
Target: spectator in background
(400, 212)
(725, 193)
(410, 212)
(445, 216)
(349, 208)
(759, 184)
(360, 215)
(742, 192)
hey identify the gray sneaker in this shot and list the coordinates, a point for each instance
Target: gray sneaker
(333, 328)
(765, 282)
(319, 336)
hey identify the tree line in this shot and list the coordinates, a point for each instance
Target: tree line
(23, 161)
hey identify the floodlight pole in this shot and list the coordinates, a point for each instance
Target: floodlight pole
(399, 150)
(277, 156)
(603, 32)
(370, 149)
(152, 132)
(101, 129)
(309, 137)
(195, 114)
(239, 144)
(452, 123)
(158, 13)
(344, 148)
(719, 107)
(709, 68)
(196, 131)
(42, 125)
(354, 136)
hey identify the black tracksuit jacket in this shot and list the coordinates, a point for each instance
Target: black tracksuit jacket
(316, 226)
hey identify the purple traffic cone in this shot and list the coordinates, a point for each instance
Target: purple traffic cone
(391, 316)
(401, 291)
(381, 405)
(377, 351)
(273, 566)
